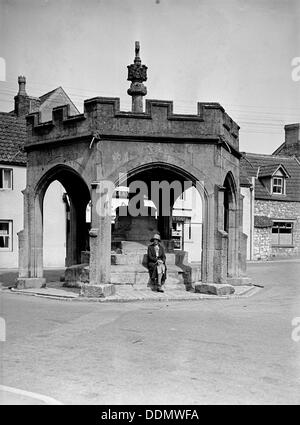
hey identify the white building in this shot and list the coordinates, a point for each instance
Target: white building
(12, 182)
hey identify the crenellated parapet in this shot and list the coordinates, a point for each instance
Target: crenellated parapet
(102, 115)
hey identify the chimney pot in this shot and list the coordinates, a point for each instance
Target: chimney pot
(22, 84)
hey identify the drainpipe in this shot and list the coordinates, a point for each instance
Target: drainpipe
(252, 192)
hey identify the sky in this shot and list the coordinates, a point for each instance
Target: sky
(235, 52)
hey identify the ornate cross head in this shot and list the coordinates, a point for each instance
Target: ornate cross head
(136, 71)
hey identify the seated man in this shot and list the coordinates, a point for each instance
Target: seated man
(157, 263)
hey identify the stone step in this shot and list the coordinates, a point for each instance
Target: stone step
(140, 268)
(137, 258)
(140, 280)
(133, 258)
(125, 274)
(173, 282)
(138, 275)
(133, 246)
(142, 246)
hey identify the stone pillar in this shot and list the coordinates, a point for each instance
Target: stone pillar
(242, 265)
(23, 255)
(221, 239)
(220, 208)
(209, 240)
(72, 236)
(137, 98)
(232, 241)
(237, 246)
(31, 243)
(100, 242)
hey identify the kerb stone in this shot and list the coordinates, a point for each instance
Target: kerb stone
(98, 291)
(214, 288)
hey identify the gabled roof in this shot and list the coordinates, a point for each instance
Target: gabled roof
(45, 96)
(13, 128)
(271, 169)
(279, 149)
(12, 139)
(50, 100)
(251, 165)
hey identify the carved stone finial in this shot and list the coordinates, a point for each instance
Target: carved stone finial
(137, 73)
(137, 59)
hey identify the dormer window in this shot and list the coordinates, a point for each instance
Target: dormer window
(278, 185)
(273, 177)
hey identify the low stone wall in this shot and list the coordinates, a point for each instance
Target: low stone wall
(262, 243)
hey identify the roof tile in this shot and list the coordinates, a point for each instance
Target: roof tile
(251, 163)
(12, 139)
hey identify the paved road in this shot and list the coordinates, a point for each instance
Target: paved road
(211, 351)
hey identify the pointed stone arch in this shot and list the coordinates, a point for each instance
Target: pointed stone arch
(157, 169)
(31, 238)
(231, 223)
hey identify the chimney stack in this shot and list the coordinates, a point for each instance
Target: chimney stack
(292, 133)
(22, 100)
(292, 139)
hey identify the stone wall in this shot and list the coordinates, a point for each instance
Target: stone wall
(248, 218)
(261, 243)
(276, 210)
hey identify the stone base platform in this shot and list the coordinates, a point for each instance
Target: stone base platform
(135, 275)
(126, 293)
(129, 267)
(30, 282)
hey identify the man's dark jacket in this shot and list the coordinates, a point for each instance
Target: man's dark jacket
(152, 261)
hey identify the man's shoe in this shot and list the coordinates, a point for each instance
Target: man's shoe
(160, 290)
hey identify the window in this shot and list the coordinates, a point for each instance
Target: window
(5, 235)
(282, 233)
(278, 185)
(190, 229)
(5, 178)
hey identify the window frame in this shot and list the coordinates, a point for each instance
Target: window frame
(283, 222)
(11, 177)
(10, 236)
(282, 186)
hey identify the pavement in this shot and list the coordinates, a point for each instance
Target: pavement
(215, 351)
(124, 293)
